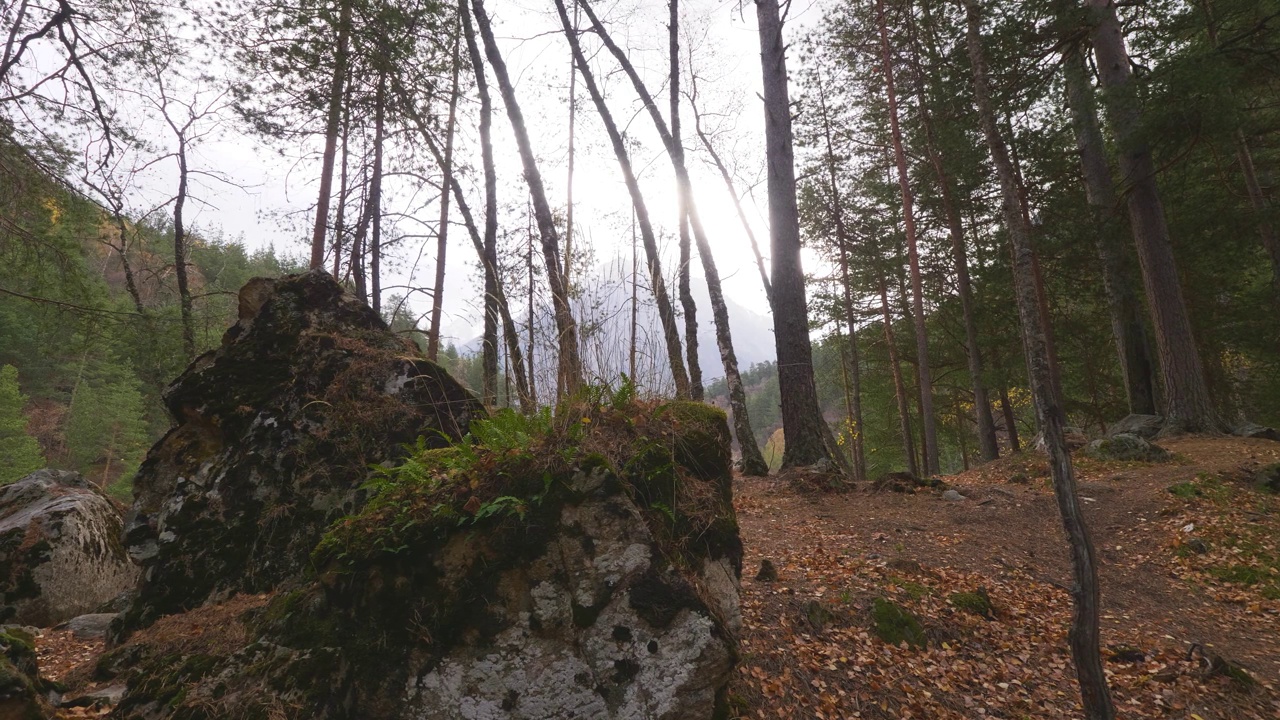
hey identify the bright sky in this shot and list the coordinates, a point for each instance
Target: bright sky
(267, 184)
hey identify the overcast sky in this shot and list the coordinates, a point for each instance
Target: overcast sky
(268, 183)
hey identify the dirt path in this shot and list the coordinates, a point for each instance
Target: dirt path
(844, 550)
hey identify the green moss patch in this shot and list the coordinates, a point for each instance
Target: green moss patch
(976, 603)
(895, 625)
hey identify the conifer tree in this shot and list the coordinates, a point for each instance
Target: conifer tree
(19, 452)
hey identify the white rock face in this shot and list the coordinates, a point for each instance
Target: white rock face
(60, 549)
(597, 627)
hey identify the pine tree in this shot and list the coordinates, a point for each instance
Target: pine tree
(105, 424)
(19, 452)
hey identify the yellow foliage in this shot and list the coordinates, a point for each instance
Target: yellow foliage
(54, 208)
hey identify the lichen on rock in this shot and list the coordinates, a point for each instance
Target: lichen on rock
(274, 433)
(581, 564)
(60, 549)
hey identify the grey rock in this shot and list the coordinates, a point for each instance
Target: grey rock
(1144, 426)
(1126, 447)
(60, 550)
(274, 434)
(1200, 547)
(107, 696)
(91, 626)
(952, 495)
(1254, 430)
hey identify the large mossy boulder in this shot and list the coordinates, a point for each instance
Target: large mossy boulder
(1125, 446)
(581, 566)
(60, 549)
(274, 434)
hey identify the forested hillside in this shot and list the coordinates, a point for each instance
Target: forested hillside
(87, 342)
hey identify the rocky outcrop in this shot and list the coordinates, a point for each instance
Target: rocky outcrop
(1144, 426)
(1126, 447)
(60, 550)
(275, 432)
(581, 567)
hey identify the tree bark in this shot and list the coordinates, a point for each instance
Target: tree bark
(682, 211)
(843, 243)
(666, 313)
(899, 387)
(987, 445)
(180, 251)
(339, 224)
(923, 371)
(752, 461)
(442, 238)
(1128, 326)
(570, 363)
(573, 126)
(495, 301)
(802, 420)
(331, 135)
(1083, 636)
(1010, 420)
(375, 196)
(1188, 406)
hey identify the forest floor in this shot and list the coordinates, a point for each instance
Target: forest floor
(1189, 555)
(1190, 580)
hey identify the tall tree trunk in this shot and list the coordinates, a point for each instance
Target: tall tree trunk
(570, 363)
(359, 243)
(495, 299)
(375, 195)
(331, 134)
(532, 320)
(802, 420)
(682, 211)
(442, 237)
(666, 313)
(180, 252)
(1187, 403)
(844, 242)
(1261, 207)
(923, 371)
(899, 387)
(635, 293)
(752, 461)
(1083, 636)
(1010, 420)
(339, 225)
(1128, 326)
(573, 126)
(854, 400)
(987, 445)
